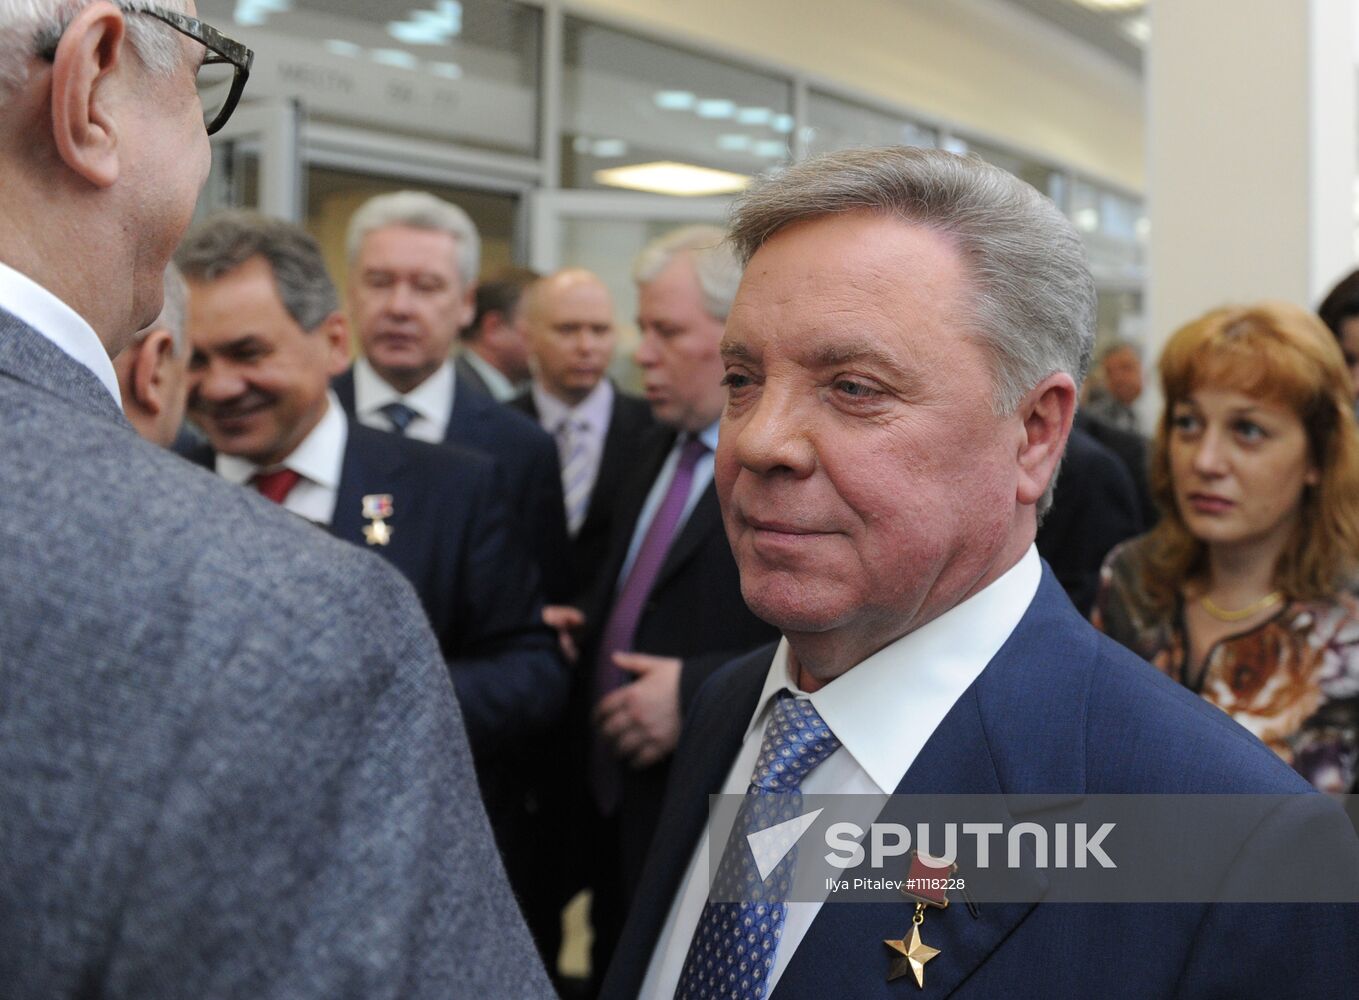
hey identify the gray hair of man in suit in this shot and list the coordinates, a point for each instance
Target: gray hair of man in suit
(1034, 298)
(418, 210)
(715, 264)
(100, 179)
(153, 368)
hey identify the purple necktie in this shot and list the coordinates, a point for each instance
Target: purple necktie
(621, 628)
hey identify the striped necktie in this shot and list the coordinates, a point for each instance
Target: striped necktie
(573, 447)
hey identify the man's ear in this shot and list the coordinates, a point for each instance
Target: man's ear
(91, 48)
(154, 352)
(1046, 413)
(335, 329)
(468, 306)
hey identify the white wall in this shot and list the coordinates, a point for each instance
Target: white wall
(980, 63)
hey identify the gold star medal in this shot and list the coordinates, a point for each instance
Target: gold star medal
(378, 508)
(928, 885)
(911, 952)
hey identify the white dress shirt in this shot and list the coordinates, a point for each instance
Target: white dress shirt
(883, 711)
(589, 418)
(319, 460)
(432, 401)
(502, 390)
(703, 476)
(63, 326)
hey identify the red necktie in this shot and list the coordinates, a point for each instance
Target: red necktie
(276, 485)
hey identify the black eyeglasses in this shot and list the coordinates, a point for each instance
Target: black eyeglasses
(222, 75)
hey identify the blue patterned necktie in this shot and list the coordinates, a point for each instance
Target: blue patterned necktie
(735, 943)
(400, 415)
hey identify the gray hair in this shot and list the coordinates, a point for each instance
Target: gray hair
(418, 210)
(718, 270)
(223, 242)
(1035, 297)
(1035, 301)
(27, 26)
(171, 318)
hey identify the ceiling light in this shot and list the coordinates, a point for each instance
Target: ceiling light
(666, 177)
(339, 47)
(252, 13)
(754, 116)
(715, 107)
(675, 100)
(1086, 219)
(1138, 29)
(733, 143)
(605, 148)
(447, 70)
(773, 148)
(1113, 5)
(394, 57)
(782, 124)
(581, 144)
(429, 27)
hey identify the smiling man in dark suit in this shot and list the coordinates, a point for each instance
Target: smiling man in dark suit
(267, 336)
(413, 262)
(901, 368)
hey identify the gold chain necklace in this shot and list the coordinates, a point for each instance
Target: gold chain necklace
(1223, 615)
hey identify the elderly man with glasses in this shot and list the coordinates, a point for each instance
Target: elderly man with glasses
(231, 762)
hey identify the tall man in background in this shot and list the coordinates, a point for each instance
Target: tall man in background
(220, 773)
(413, 262)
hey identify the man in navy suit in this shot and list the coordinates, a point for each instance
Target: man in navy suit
(413, 262)
(901, 368)
(267, 336)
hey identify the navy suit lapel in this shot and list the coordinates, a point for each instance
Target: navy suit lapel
(1006, 735)
(370, 466)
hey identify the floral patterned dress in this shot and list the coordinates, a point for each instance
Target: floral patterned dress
(1292, 680)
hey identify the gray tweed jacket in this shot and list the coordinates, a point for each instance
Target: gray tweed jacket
(231, 763)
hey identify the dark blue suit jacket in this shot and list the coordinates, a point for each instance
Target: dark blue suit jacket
(529, 472)
(454, 541)
(1059, 710)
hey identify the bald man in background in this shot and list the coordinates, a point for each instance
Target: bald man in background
(153, 369)
(568, 317)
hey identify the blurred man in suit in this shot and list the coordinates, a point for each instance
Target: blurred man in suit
(901, 366)
(153, 369)
(667, 609)
(495, 354)
(1118, 386)
(413, 262)
(221, 774)
(569, 320)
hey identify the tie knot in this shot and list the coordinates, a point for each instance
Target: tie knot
(691, 452)
(276, 485)
(400, 415)
(796, 740)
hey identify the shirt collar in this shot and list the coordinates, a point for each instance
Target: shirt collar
(431, 399)
(595, 409)
(63, 326)
(319, 458)
(884, 709)
(500, 387)
(709, 435)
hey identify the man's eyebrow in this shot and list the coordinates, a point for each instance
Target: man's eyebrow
(734, 350)
(905, 377)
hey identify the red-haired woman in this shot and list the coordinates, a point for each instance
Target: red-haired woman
(1245, 591)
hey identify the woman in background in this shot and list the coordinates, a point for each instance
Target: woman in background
(1245, 592)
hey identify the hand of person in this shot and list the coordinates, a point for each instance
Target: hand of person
(642, 719)
(565, 619)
